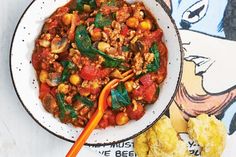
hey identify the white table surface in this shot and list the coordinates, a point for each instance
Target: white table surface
(20, 135)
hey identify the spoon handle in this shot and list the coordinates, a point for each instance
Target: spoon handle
(91, 125)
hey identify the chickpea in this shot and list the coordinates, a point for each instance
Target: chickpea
(129, 86)
(75, 79)
(87, 8)
(66, 19)
(146, 24)
(109, 100)
(132, 22)
(43, 76)
(94, 84)
(122, 118)
(63, 88)
(102, 46)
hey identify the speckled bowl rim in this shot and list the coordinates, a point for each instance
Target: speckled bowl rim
(168, 12)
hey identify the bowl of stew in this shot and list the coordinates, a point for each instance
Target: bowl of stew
(65, 52)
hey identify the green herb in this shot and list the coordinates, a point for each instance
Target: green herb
(125, 48)
(63, 107)
(72, 111)
(84, 100)
(102, 21)
(68, 66)
(120, 97)
(154, 66)
(84, 44)
(81, 3)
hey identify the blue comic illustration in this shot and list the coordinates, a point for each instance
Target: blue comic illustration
(200, 15)
(208, 32)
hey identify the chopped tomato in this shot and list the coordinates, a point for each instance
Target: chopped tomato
(161, 74)
(103, 123)
(38, 56)
(162, 49)
(53, 91)
(36, 60)
(124, 30)
(149, 93)
(162, 71)
(135, 113)
(89, 72)
(44, 89)
(138, 92)
(146, 80)
(156, 35)
(104, 72)
(111, 117)
(152, 37)
(112, 120)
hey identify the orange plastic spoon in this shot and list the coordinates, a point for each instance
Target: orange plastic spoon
(94, 120)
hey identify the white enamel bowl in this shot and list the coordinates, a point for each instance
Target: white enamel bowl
(26, 86)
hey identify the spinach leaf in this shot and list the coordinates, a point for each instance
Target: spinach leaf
(120, 97)
(154, 66)
(84, 100)
(101, 21)
(72, 111)
(81, 3)
(68, 66)
(63, 107)
(84, 44)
